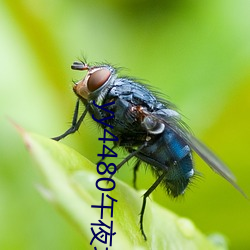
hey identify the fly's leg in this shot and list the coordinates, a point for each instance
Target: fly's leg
(136, 167)
(145, 196)
(127, 158)
(75, 124)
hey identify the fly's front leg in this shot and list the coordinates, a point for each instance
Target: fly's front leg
(145, 196)
(75, 123)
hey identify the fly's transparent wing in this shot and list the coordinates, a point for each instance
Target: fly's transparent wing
(207, 155)
(175, 124)
(210, 158)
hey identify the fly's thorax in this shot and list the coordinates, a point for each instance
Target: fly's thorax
(94, 85)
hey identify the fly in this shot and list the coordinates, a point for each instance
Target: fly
(149, 128)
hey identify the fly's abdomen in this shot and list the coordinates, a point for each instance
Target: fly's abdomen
(178, 176)
(180, 165)
(168, 153)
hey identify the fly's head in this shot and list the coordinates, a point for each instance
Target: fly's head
(93, 85)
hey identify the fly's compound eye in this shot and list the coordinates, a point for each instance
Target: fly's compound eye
(97, 79)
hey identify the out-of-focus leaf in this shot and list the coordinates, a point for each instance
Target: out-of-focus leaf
(70, 185)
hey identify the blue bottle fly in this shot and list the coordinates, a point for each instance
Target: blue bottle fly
(148, 127)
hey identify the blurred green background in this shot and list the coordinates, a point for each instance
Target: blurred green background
(195, 52)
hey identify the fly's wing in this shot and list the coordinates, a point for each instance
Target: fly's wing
(175, 124)
(212, 160)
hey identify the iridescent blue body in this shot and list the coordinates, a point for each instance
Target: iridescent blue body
(148, 127)
(165, 150)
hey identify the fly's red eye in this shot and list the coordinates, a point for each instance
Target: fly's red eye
(97, 79)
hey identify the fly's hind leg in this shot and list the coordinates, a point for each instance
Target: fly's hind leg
(145, 196)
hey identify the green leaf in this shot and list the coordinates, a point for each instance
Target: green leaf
(70, 186)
